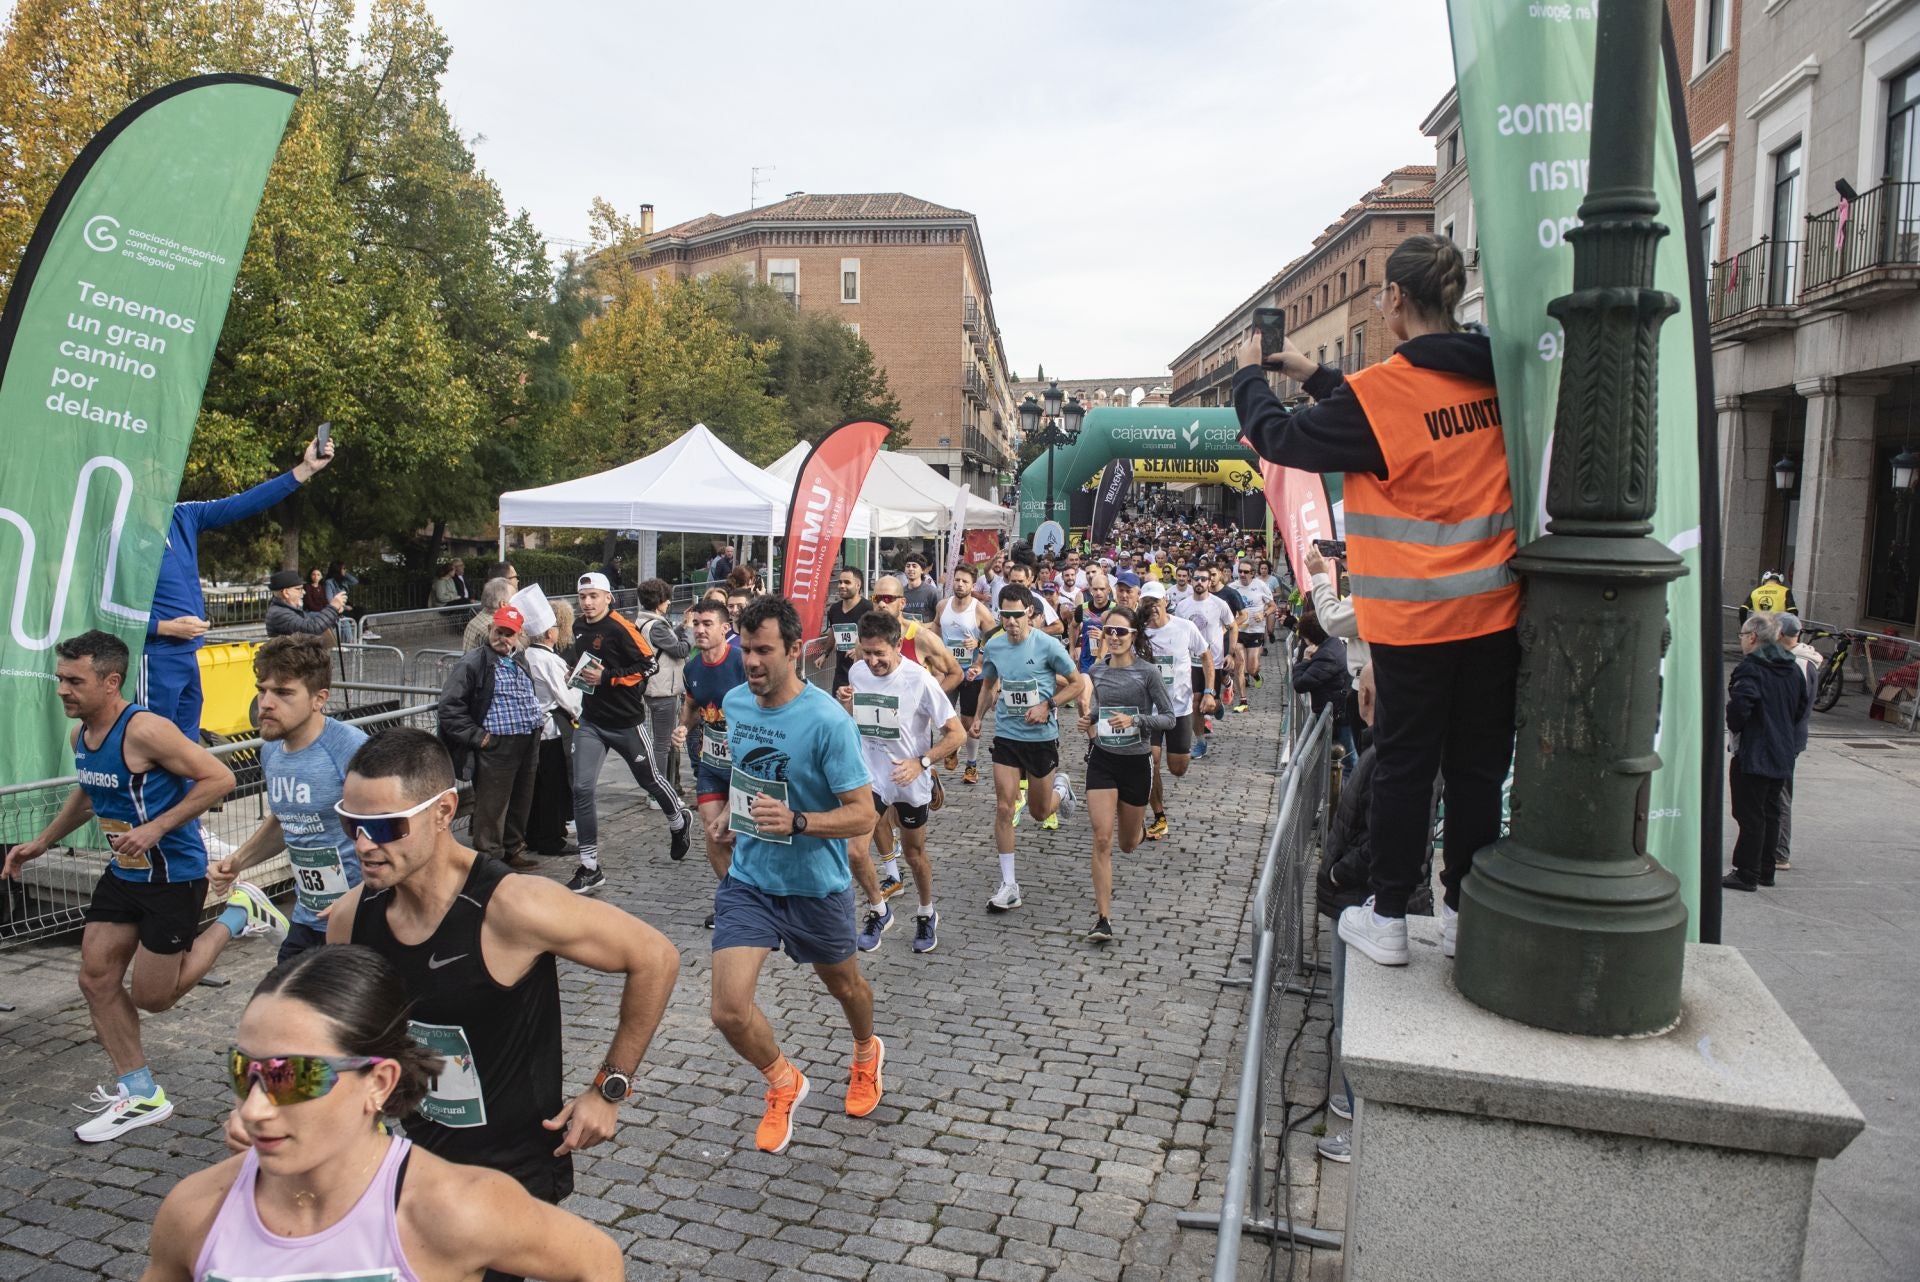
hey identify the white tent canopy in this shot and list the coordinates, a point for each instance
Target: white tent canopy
(695, 484)
(909, 499)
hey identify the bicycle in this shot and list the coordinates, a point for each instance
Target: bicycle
(1833, 673)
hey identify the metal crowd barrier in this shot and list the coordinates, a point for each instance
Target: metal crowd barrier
(1251, 1203)
(52, 893)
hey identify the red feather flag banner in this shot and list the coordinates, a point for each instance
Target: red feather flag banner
(1301, 513)
(824, 492)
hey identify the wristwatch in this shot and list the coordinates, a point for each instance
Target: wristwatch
(799, 823)
(926, 762)
(612, 1084)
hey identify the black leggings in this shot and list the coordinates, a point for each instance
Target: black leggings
(1442, 709)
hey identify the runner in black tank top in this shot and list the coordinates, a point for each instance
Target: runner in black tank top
(502, 1043)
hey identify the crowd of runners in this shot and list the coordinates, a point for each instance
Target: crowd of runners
(417, 977)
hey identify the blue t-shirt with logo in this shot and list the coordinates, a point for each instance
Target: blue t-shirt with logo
(1025, 673)
(302, 788)
(707, 686)
(809, 747)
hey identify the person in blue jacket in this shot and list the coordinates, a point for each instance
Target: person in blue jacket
(169, 681)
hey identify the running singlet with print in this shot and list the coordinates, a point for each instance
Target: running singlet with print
(501, 1044)
(123, 799)
(897, 716)
(960, 629)
(707, 685)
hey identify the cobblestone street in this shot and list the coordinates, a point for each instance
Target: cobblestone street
(1050, 1104)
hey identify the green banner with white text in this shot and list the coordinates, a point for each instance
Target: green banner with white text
(104, 348)
(1525, 76)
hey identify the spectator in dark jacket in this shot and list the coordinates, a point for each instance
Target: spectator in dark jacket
(1810, 661)
(1320, 673)
(286, 615)
(1767, 699)
(490, 715)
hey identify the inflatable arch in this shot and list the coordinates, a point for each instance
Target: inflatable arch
(1141, 432)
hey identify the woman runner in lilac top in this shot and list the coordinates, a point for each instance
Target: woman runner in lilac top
(325, 1055)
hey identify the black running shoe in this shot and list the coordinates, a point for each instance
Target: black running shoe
(1101, 933)
(587, 881)
(682, 838)
(709, 921)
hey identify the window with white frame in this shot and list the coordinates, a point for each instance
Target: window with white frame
(784, 275)
(1709, 226)
(849, 280)
(1716, 29)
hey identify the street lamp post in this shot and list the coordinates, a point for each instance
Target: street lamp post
(1062, 427)
(1566, 923)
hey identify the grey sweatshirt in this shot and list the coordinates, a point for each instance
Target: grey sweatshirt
(1138, 690)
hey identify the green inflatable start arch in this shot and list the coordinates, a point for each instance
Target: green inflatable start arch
(1142, 432)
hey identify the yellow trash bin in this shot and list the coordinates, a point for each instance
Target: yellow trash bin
(226, 686)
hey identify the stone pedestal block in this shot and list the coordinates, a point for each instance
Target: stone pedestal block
(1486, 1149)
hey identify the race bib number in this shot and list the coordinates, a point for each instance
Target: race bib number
(319, 876)
(715, 749)
(845, 637)
(962, 646)
(740, 805)
(877, 715)
(455, 1098)
(1017, 696)
(1109, 735)
(1167, 665)
(139, 861)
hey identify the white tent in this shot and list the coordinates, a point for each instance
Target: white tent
(909, 499)
(695, 484)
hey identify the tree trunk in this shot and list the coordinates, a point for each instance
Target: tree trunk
(290, 539)
(434, 541)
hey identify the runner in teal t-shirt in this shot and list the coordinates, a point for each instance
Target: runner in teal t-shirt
(1024, 672)
(799, 790)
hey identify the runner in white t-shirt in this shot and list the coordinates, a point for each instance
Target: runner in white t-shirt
(1253, 636)
(1178, 650)
(1213, 617)
(906, 722)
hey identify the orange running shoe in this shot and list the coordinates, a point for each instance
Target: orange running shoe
(863, 1083)
(776, 1128)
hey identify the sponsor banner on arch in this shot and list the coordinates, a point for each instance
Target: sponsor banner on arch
(104, 348)
(1525, 76)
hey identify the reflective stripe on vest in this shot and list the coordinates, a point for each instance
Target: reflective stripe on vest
(1429, 545)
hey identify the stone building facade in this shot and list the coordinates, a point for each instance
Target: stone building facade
(909, 276)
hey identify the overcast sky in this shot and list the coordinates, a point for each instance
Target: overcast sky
(1137, 168)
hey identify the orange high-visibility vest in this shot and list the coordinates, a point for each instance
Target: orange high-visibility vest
(1428, 548)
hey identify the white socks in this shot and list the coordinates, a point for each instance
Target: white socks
(891, 868)
(1006, 868)
(924, 910)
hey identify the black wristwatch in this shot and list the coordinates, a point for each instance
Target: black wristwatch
(799, 823)
(612, 1084)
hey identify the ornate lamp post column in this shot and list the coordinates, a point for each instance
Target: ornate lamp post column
(1566, 923)
(1053, 435)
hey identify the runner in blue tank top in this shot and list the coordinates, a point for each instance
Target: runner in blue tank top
(147, 785)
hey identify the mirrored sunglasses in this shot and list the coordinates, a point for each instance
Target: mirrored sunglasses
(383, 829)
(292, 1079)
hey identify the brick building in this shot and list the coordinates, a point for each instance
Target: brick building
(1453, 215)
(909, 276)
(1327, 292)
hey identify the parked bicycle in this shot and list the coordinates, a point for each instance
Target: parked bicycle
(1833, 673)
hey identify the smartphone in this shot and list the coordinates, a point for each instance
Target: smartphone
(323, 439)
(1336, 548)
(1271, 322)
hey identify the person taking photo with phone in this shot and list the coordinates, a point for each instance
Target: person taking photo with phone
(1430, 533)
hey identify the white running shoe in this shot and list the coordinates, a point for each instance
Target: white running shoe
(1069, 802)
(116, 1112)
(1384, 939)
(262, 917)
(1005, 899)
(216, 848)
(1449, 930)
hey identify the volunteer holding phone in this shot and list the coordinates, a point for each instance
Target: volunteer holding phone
(1430, 532)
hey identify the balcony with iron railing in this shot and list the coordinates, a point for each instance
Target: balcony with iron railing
(1757, 290)
(970, 316)
(974, 382)
(1221, 373)
(1870, 256)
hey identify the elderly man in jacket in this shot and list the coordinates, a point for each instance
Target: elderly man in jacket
(1767, 700)
(286, 612)
(490, 715)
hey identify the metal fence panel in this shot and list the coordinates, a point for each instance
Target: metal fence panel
(52, 893)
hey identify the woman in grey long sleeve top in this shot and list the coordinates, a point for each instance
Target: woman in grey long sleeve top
(1129, 698)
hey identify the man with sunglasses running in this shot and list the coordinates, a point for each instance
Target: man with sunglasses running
(476, 946)
(148, 785)
(1032, 675)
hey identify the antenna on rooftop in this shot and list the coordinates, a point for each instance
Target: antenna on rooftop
(753, 195)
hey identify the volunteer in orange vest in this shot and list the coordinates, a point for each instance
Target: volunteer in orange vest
(1429, 526)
